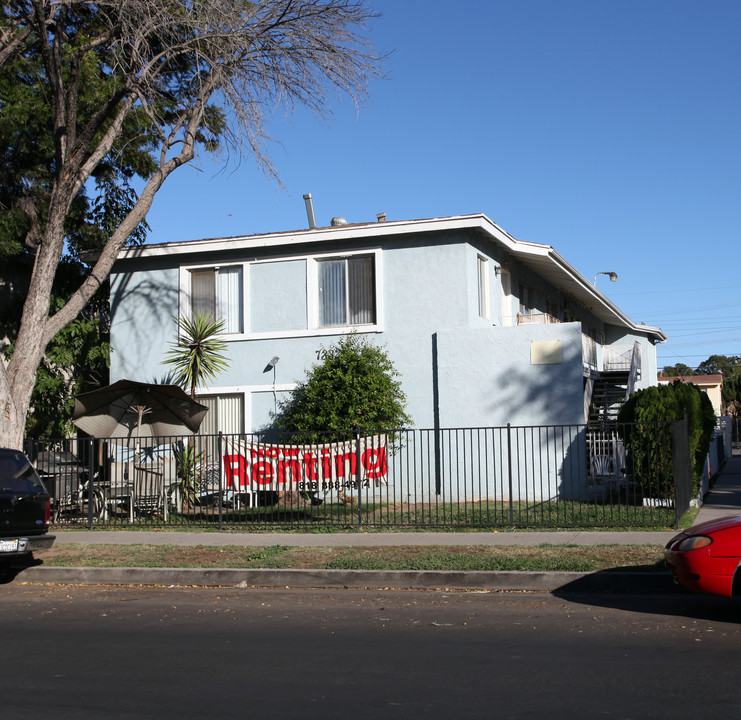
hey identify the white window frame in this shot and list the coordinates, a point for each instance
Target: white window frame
(219, 394)
(186, 291)
(507, 317)
(312, 287)
(482, 269)
(246, 391)
(312, 295)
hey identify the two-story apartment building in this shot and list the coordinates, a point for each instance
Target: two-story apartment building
(484, 329)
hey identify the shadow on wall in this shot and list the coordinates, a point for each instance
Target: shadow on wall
(542, 455)
(148, 319)
(540, 394)
(549, 452)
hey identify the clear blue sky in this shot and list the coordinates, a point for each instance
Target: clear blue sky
(610, 130)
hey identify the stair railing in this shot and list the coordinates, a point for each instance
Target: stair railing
(635, 369)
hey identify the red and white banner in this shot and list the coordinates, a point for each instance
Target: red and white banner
(334, 467)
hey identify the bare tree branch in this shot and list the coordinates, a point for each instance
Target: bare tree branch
(167, 64)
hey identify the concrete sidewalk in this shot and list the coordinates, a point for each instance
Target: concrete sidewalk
(724, 499)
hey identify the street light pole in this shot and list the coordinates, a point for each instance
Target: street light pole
(613, 277)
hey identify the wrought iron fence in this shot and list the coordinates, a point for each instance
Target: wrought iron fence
(477, 478)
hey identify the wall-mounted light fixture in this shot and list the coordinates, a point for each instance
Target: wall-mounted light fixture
(613, 277)
(271, 366)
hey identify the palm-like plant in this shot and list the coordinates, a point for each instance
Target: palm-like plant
(197, 354)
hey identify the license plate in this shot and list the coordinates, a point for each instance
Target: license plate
(8, 546)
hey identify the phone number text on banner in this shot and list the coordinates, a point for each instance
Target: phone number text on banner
(311, 468)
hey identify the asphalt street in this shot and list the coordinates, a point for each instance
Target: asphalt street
(123, 653)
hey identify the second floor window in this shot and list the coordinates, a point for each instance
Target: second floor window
(526, 300)
(218, 292)
(347, 291)
(483, 282)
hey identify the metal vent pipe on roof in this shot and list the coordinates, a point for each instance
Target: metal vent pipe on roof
(310, 210)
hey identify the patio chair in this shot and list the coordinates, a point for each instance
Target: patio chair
(602, 477)
(148, 491)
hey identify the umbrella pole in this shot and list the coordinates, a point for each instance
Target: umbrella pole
(140, 409)
(139, 428)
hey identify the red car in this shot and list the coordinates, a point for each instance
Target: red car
(706, 557)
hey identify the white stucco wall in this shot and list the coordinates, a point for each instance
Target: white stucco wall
(457, 369)
(486, 377)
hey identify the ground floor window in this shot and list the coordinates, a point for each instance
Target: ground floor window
(225, 414)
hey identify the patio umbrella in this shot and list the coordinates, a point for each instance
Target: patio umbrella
(134, 409)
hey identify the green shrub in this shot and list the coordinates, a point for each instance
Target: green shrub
(355, 387)
(649, 443)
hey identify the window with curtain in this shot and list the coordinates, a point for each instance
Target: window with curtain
(225, 414)
(347, 291)
(218, 292)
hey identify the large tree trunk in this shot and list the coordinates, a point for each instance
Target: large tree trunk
(18, 379)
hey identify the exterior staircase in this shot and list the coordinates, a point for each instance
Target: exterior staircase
(608, 395)
(614, 385)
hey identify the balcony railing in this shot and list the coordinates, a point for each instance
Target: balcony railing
(588, 353)
(536, 319)
(620, 358)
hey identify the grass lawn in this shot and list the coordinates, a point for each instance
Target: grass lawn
(543, 558)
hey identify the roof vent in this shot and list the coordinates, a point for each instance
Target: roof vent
(381, 217)
(310, 210)
(338, 221)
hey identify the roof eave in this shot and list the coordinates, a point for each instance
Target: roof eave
(572, 280)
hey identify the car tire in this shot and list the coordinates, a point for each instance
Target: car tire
(736, 587)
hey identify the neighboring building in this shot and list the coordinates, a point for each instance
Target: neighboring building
(484, 329)
(711, 384)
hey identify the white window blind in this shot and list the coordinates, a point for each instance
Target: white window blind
(225, 414)
(347, 291)
(229, 298)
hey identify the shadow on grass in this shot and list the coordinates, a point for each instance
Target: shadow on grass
(11, 568)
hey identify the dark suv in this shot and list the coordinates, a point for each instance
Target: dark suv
(24, 507)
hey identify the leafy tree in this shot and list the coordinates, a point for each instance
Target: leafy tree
(75, 360)
(94, 95)
(651, 450)
(197, 354)
(678, 370)
(716, 364)
(730, 368)
(354, 387)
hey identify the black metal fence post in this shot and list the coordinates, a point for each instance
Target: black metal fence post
(90, 481)
(219, 456)
(509, 476)
(358, 478)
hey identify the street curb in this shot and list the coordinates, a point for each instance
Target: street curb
(556, 582)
